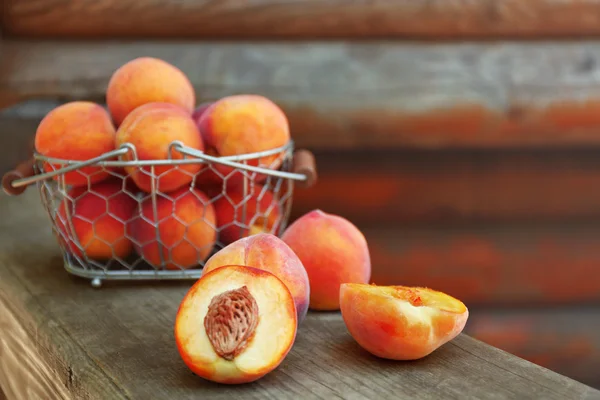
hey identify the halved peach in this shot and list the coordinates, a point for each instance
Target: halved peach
(400, 322)
(236, 324)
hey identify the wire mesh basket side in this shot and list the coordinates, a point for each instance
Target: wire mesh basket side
(109, 228)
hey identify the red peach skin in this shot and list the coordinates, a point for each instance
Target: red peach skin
(333, 251)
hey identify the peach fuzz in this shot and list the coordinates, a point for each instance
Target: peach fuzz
(184, 225)
(235, 325)
(399, 322)
(241, 124)
(151, 129)
(262, 212)
(147, 80)
(333, 251)
(78, 130)
(98, 217)
(267, 252)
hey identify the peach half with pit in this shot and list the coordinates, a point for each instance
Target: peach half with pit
(401, 322)
(235, 325)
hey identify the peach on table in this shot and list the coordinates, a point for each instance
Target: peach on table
(236, 324)
(399, 322)
(333, 251)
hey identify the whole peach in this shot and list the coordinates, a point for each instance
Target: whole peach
(242, 124)
(78, 130)
(180, 234)
(147, 80)
(96, 219)
(333, 251)
(151, 129)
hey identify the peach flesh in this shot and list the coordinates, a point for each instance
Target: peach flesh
(265, 329)
(267, 252)
(333, 251)
(399, 322)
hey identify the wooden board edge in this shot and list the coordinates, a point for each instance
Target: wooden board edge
(37, 361)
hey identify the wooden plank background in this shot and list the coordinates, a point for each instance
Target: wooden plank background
(341, 95)
(564, 339)
(439, 19)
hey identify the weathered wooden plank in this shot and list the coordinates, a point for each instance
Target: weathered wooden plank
(414, 187)
(125, 332)
(566, 340)
(356, 95)
(301, 19)
(519, 264)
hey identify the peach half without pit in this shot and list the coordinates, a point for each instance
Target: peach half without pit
(235, 325)
(400, 322)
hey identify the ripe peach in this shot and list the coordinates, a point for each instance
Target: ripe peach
(269, 253)
(147, 80)
(151, 128)
(399, 322)
(78, 130)
(182, 232)
(241, 124)
(333, 251)
(262, 213)
(235, 325)
(98, 217)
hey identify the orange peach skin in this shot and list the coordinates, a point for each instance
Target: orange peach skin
(147, 80)
(267, 252)
(263, 213)
(242, 124)
(102, 235)
(151, 128)
(78, 130)
(274, 337)
(400, 323)
(333, 251)
(186, 229)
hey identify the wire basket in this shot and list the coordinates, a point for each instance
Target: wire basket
(108, 226)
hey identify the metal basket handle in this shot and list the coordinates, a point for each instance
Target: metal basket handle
(16, 181)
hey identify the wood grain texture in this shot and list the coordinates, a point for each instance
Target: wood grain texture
(564, 339)
(117, 341)
(522, 265)
(399, 188)
(303, 18)
(362, 95)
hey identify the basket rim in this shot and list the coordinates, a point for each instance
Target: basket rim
(161, 162)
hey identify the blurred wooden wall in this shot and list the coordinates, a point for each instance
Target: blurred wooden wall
(462, 137)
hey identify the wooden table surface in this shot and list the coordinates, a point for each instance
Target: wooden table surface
(60, 338)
